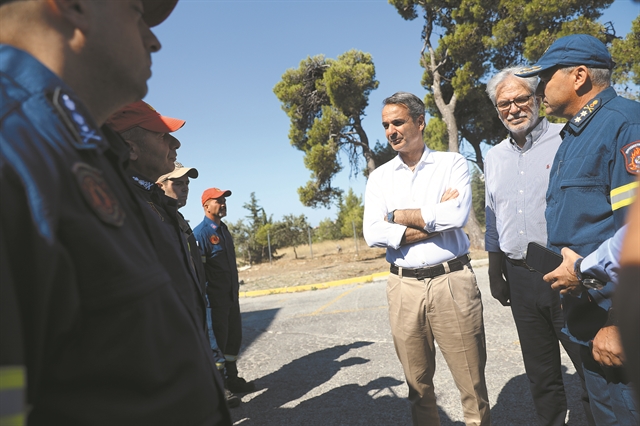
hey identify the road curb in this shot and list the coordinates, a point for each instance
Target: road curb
(319, 286)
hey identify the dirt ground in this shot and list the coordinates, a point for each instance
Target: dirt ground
(332, 260)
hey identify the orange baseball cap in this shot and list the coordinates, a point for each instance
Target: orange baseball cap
(141, 114)
(214, 193)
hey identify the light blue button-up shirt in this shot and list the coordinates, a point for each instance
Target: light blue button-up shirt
(516, 181)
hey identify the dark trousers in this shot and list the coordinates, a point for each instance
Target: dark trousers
(539, 321)
(226, 323)
(610, 393)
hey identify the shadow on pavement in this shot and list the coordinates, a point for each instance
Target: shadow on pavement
(255, 323)
(352, 404)
(374, 403)
(515, 405)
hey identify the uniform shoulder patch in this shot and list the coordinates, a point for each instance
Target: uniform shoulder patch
(214, 239)
(631, 154)
(98, 194)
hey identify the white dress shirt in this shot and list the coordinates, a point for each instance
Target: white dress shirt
(394, 186)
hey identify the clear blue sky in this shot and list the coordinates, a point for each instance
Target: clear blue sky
(220, 61)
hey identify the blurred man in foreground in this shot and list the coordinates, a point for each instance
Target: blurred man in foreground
(92, 327)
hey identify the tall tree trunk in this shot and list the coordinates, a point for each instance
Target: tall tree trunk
(364, 144)
(447, 110)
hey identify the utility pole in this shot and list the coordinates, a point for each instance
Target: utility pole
(355, 237)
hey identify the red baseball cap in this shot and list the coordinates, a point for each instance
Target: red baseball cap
(141, 114)
(156, 11)
(214, 193)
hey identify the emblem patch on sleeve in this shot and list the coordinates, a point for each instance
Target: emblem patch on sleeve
(631, 154)
(214, 239)
(98, 194)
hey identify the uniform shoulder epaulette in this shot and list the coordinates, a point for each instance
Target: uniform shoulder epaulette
(586, 111)
(143, 183)
(76, 119)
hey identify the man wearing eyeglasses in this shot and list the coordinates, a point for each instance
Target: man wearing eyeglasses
(516, 180)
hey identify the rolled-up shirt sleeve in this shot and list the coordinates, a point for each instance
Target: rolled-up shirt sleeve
(453, 213)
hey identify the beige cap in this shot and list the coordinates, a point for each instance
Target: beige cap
(178, 172)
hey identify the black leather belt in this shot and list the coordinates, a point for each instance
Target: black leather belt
(456, 264)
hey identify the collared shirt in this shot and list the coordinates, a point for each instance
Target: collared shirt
(394, 186)
(516, 181)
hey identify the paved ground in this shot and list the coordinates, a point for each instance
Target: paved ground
(326, 357)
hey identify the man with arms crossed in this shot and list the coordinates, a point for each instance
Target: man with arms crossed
(416, 206)
(516, 176)
(91, 324)
(592, 181)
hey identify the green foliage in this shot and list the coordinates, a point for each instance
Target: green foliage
(325, 100)
(241, 239)
(292, 231)
(478, 37)
(327, 230)
(381, 154)
(351, 211)
(626, 54)
(250, 236)
(478, 192)
(435, 134)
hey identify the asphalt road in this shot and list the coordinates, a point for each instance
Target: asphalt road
(326, 357)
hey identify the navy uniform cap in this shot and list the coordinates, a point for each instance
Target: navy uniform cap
(572, 50)
(156, 11)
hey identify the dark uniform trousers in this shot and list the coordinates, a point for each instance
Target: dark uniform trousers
(539, 320)
(226, 320)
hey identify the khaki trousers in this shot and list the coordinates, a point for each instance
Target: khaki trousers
(447, 309)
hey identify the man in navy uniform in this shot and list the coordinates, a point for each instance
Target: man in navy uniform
(93, 330)
(219, 257)
(592, 181)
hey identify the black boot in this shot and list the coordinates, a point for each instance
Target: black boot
(233, 401)
(237, 384)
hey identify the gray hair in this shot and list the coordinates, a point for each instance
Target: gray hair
(135, 134)
(492, 85)
(600, 77)
(409, 100)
